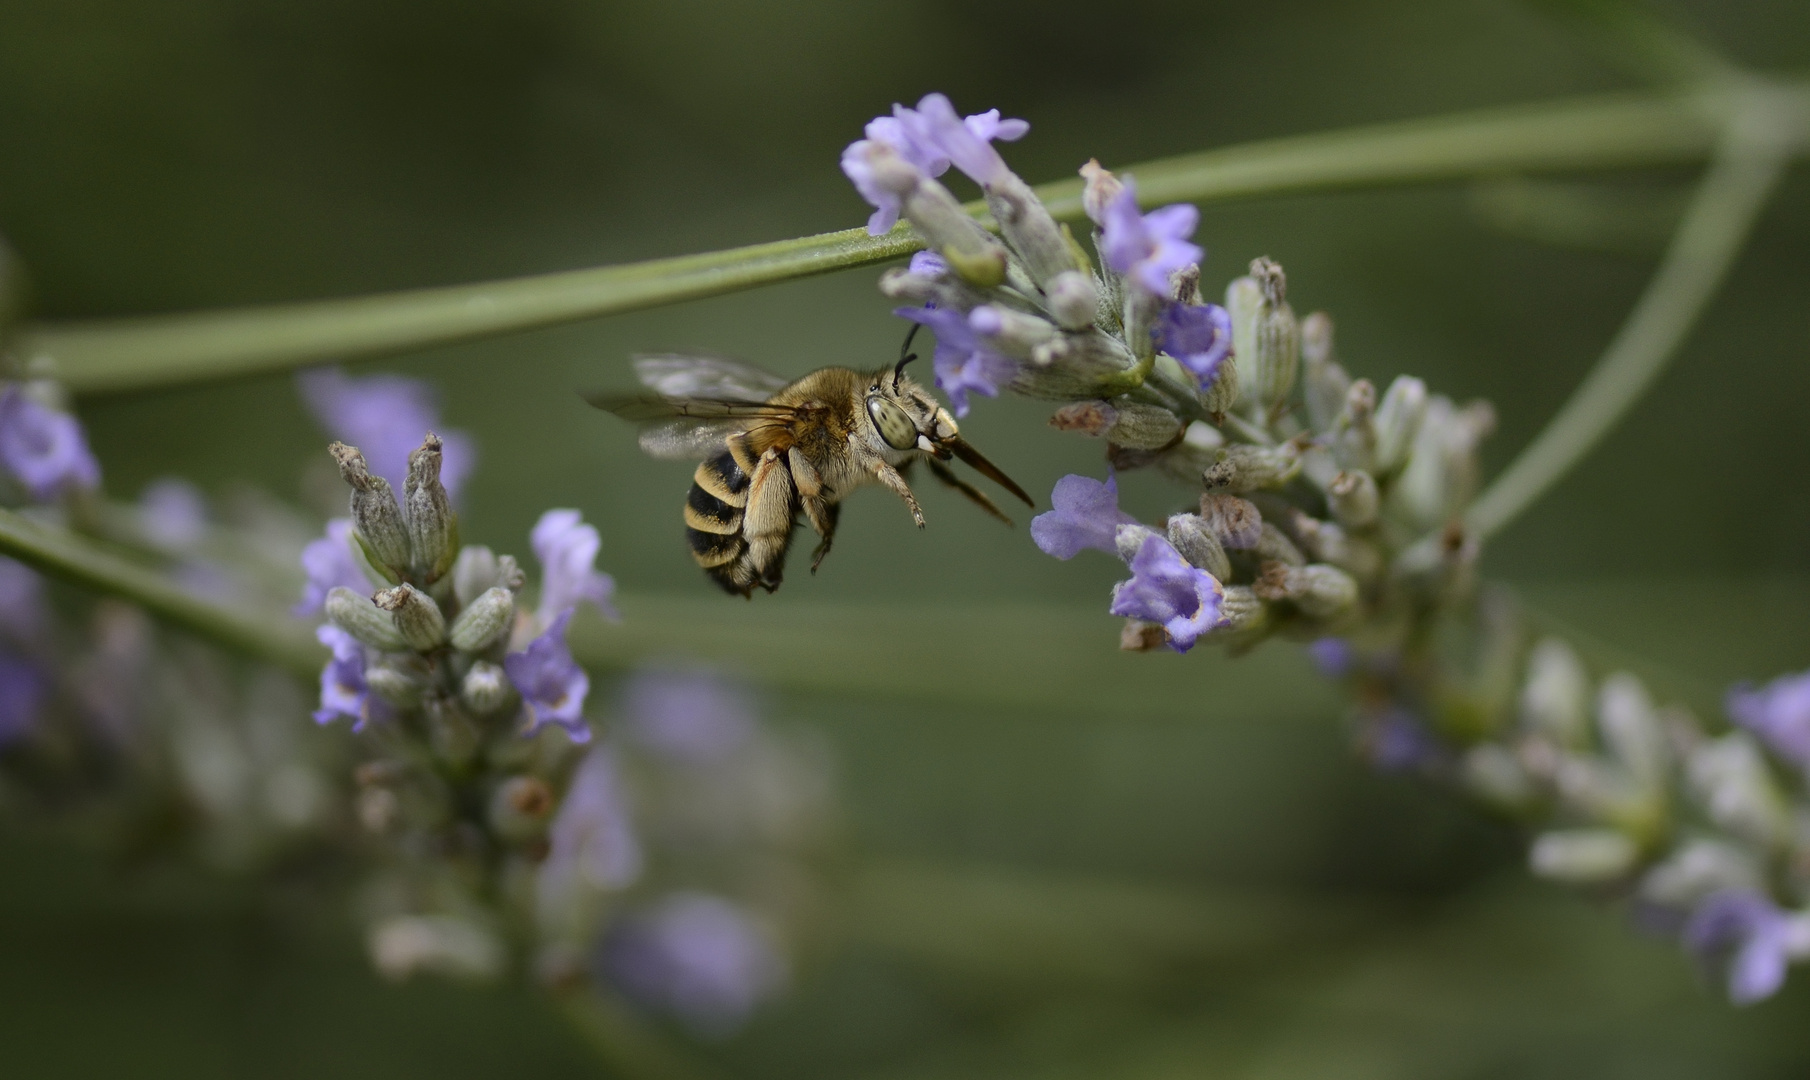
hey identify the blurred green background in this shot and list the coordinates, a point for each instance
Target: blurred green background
(1063, 861)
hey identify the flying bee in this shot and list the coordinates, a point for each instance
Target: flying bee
(773, 448)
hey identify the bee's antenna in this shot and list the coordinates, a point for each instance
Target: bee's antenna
(905, 357)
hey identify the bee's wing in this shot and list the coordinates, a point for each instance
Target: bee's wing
(689, 428)
(675, 376)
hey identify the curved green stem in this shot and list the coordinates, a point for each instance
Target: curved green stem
(1748, 163)
(269, 636)
(1595, 132)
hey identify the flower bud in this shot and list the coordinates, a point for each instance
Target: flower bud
(1497, 775)
(1555, 700)
(1273, 545)
(484, 621)
(1398, 421)
(509, 575)
(1013, 333)
(451, 733)
(1317, 590)
(358, 616)
(1325, 381)
(1328, 543)
(1276, 339)
(1129, 538)
(1219, 397)
(1582, 856)
(1072, 299)
(485, 688)
(1244, 299)
(474, 571)
(1191, 537)
(1236, 523)
(1244, 618)
(1441, 473)
(1630, 728)
(416, 617)
(1353, 498)
(1733, 784)
(1255, 467)
(1030, 229)
(1087, 417)
(1699, 869)
(432, 525)
(376, 518)
(394, 684)
(1143, 427)
(1354, 432)
(1101, 188)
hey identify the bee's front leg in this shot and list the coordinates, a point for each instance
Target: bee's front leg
(891, 478)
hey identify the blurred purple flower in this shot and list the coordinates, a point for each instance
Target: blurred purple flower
(343, 689)
(1086, 514)
(1147, 248)
(386, 417)
(22, 611)
(1779, 713)
(329, 562)
(567, 550)
(550, 681)
(591, 841)
(692, 717)
(1393, 740)
(962, 361)
(697, 956)
(1333, 656)
(23, 691)
(1198, 336)
(1748, 933)
(172, 514)
(44, 449)
(1165, 589)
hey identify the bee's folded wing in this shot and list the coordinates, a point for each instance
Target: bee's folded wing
(689, 428)
(675, 376)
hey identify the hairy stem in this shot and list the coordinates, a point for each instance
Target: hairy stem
(269, 636)
(1748, 163)
(1594, 132)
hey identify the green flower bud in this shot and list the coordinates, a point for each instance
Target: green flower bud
(1192, 538)
(395, 684)
(1236, 523)
(1555, 699)
(1072, 299)
(1317, 590)
(473, 572)
(433, 527)
(1273, 545)
(484, 621)
(1219, 397)
(1244, 299)
(1582, 856)
(1354, 499)
(375, 516)
(1631, 729)
(1030, 229)
(1011, 333)
(1143, 427)
(358, 616)
(451, 733)
(1326, 382)
(1398, 421)
(485, 689)
(1244, 619)
(416, 617)
(1250, 468)
(1276, 355)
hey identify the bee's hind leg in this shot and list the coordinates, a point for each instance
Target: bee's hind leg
(821, 515)
(826, 526)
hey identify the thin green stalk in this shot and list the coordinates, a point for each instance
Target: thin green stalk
(1595, 132)
(81, 561)
(1747, 167)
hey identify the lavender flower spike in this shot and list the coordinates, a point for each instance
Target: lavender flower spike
(44, 449)
(343, 688)
(551, 682)
(1165, 589)
(1147, 248)
(1778, 713)
(1749, 933)
(385, 416)
(1198, 336)
(567, 550)
(962, 361)
(1086, 515)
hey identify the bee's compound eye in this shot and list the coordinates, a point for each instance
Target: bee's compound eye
(892, 423)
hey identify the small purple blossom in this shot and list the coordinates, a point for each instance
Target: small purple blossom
(699, 957)
(1165, 589)
(567, 550)
(386, 416)
(172, 514)
(865, 163)
(962, 361)
(329, 562)
(23, 691)
(550, 681)
(343, 689)
(1198, 336)
(1147, 248)
(928, 263)
(1086, 514)
(590, 841)
(692, 717)
(1332, 656)
(1778, 713)
(927, 138)
(22, 611)
(44, 449)
(1394, 740)
(1748, 933)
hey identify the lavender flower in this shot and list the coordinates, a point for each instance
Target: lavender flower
(22, 612)
(1086, 515)
(1750, 934)
(1333, 656)
(343, 689)
(928, 263)
(1147, 248)
(385, 417)
(1778, 713)
(45, 450)
(962, 361)
(1393, 740)
(1165, 589)
(697, 956)
(1198, 336)
(329, 563)
(689, 717)
(927, 138)
(567, 550)
(172, 514)
(23, 690)
(550, 681)
(591, 841)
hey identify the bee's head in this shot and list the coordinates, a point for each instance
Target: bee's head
(905, 417)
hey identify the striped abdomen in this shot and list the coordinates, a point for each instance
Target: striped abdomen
(715, 514)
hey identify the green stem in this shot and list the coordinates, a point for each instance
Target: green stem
(628, 1046)
(1748, 164)
(74, 558)
(1595, 132)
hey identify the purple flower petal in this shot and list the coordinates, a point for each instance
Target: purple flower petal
(22, 611)
(1779, 713)
(567, 550)
(1333, 657)
(1147, 248)
(1393, 740)
(1750, 934)
(697, 956)
(1165, 589)
(591, 841)
(1086, 514)
(962, 361)
(24, 689)
(967, 144)
(329, 562)
(1198, 336)
(690, 717)
(386, 417)
(343, 689)
(858, 165)
(928, 263)
(551, 682)
(172, 514)
(44, 449)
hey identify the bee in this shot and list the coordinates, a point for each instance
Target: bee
(772, 449)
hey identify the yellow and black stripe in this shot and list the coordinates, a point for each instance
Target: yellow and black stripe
(713, 520)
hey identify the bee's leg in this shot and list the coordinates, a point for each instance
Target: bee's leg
(828, 529)
(891, 478)
(738, 449)
(975, 495)
(767, 521)
(821, 515)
